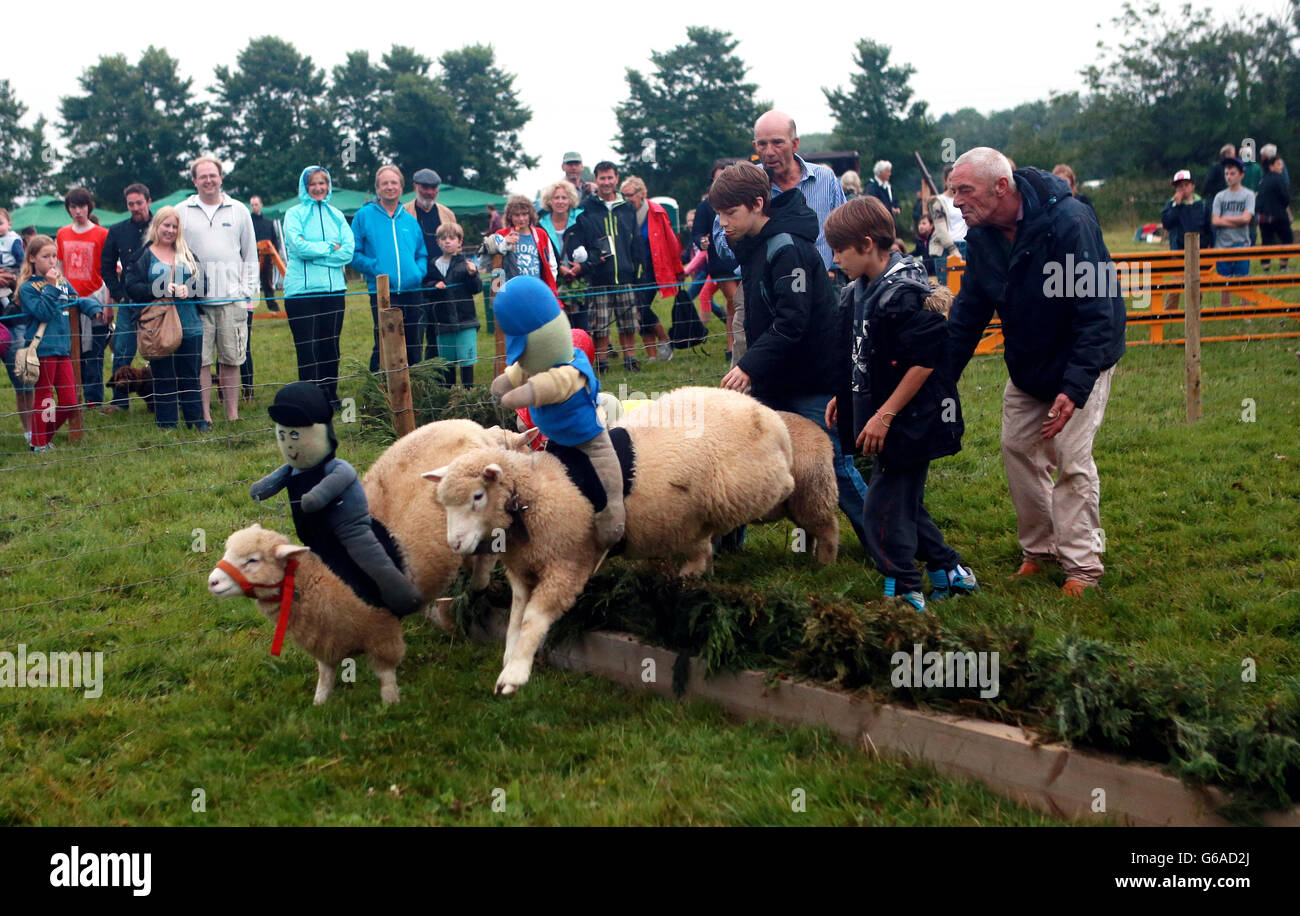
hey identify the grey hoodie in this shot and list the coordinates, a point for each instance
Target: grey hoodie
(225, 246)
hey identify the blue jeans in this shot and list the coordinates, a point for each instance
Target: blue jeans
(853, 489)
(92, 364)
(176, 384)
(124, 344)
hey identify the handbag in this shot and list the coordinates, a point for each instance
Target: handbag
(687, 330)
(26, 364)
(158, 329)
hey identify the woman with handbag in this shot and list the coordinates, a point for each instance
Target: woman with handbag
(162, 285)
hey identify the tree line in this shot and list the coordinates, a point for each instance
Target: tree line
(270, 114)
(1167, 95)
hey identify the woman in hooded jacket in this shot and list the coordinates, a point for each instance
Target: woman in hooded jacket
(319, 244)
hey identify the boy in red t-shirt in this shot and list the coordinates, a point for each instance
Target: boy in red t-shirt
(79, 249)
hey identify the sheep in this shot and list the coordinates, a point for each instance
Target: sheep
(693, 480)
(814, 505)
(328, 620)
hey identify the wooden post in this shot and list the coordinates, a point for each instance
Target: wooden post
(75, 429)
(1192, 322)
(392, 359)
(499, 336)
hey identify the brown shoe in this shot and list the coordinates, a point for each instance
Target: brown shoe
(1074, 587)
(1027, 568)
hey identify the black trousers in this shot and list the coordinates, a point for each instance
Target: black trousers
(246, 369)
(411, 303)
(316, 322)
(899, 529)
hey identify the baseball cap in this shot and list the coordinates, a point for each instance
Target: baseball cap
(426, 176)
(572, 157)
(1181, 175)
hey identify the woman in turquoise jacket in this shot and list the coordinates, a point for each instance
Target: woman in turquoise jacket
(319, 244)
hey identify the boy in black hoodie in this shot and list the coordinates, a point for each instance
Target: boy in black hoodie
(789, 309)
(899, 400)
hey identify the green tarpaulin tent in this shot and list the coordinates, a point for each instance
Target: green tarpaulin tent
(48, 215)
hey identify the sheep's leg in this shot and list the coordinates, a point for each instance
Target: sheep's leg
(387, 683)
(481, 572)
(700, 560)
(519, 593)
(554, 594)
(324, 681)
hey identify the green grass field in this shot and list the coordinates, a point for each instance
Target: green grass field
(105, 546)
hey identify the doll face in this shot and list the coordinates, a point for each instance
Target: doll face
(303, 447)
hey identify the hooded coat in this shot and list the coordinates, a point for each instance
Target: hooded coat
(789, 305)
(885, 330)
(1057, 342)
(311, 230)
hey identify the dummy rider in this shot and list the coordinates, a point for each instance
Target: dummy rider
(330, 511)
(555, 381)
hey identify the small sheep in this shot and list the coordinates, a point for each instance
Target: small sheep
(327, 619)
(707, 460)
(814, 505)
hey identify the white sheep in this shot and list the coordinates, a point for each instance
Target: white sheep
(707, 460)
(328, 620)
(814, 504)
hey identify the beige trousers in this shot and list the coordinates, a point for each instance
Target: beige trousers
(1059, 518)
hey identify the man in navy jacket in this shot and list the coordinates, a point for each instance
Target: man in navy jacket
(1036, 256)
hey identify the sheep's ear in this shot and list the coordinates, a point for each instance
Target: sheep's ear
(437, 475)
(493, 472)
(285, 551)
(529, 435)
(257, 525)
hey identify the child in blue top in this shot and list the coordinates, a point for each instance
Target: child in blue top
(45, 296)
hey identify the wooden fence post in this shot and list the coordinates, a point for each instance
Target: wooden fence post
(75, 428)
(392, 359)
(1192, 322)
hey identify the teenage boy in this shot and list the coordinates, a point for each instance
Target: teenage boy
(900, 404)
(1234, 208)
(79, 248)
(789, 311)
(1183, 213)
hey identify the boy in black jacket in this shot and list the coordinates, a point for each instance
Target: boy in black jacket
(789, 309)
(454, 280)
(900, 400)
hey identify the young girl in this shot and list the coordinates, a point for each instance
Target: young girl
(903, 403)
(524, 245)
(45, 297)
(166, 269)
(11, 264)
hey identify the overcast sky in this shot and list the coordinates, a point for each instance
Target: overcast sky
(570, 59)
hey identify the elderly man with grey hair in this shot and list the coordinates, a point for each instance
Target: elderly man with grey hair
(1036, 256)
(878, 187)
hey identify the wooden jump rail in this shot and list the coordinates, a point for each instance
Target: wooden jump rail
(1165, 285)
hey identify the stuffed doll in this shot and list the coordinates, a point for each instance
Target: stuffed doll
(555, 381)
(330, 511)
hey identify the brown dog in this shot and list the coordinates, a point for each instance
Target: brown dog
(138, 380)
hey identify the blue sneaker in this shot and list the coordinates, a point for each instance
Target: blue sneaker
(914, 598)
(959, 580)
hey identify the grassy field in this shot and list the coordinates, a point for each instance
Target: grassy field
(105, 546)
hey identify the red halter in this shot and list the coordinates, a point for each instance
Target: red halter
(285, 595)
